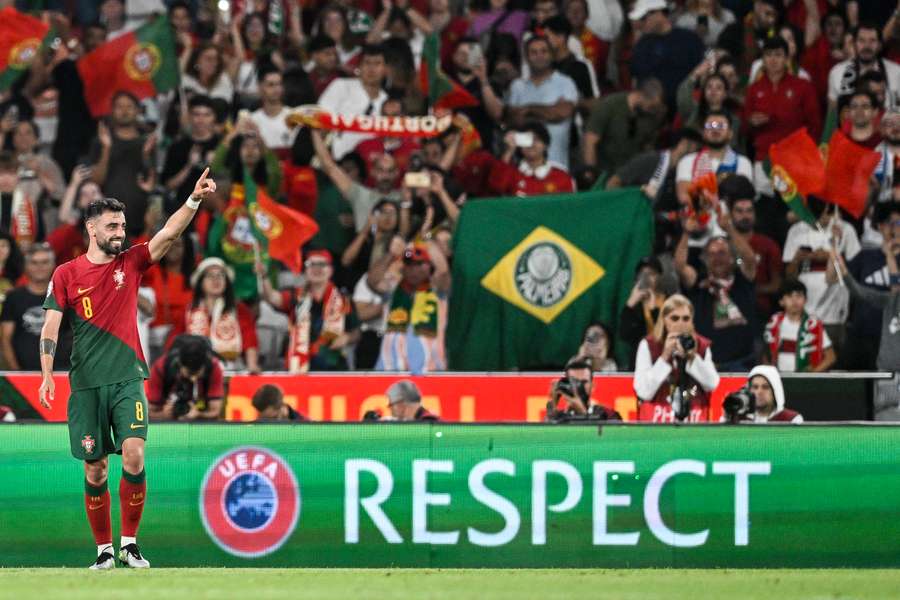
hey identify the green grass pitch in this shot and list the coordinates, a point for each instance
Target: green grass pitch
(419, 584)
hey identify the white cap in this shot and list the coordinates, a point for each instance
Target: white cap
(642, 7)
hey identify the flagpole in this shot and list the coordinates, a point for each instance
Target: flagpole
(257, 259)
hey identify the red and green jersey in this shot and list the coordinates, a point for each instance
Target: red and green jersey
(101, 301)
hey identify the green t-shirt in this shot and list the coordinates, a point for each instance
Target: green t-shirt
(623, 133)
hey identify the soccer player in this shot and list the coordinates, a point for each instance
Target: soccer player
(107, 408)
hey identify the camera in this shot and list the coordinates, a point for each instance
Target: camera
(738, 404)
(687, 342)
(566, 386)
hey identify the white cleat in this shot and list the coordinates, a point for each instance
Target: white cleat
(105, 561)
(130, 556)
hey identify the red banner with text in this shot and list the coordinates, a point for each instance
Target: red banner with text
(487, 397)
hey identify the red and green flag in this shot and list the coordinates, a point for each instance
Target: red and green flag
(280, 231)
(21, 38)
(442, 92)
(847, 173)
(143, 63)
(797, 171)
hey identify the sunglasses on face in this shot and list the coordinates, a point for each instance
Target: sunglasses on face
(677, 318)
(316, 264)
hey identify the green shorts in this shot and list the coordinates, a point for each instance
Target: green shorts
(101, 418)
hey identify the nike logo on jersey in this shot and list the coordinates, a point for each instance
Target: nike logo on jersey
(135, 503)
(98, 507)
(85, 290)
(136, 426)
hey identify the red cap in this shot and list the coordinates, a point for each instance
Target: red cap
(416, 254)
(323, 254)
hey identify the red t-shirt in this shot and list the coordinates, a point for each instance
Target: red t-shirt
(101, 302)
(790, 106)
(506, 180)
(371, 148)
(769, 264)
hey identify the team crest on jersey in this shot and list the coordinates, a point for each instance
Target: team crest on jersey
(119, 278)
(88, 443)
(249, 501)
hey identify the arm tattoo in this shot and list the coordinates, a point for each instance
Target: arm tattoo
(48, 346)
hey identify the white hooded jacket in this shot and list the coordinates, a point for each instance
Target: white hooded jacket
(774, 378)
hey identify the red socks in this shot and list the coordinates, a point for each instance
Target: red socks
(132, 493)
(97, 504)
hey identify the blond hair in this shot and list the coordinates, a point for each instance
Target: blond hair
(672, 303)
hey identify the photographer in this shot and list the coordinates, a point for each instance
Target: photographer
(525, 169)
(405, 404)
(570, 396)
(269, 403)
(760, 401)
(186, 383)
(674, 372)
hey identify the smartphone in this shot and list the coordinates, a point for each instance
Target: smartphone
(703, 21)
(643, 281)
(417, 180)
(524, 139)
(476, 56)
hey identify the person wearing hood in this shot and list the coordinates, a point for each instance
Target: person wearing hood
(765, 384)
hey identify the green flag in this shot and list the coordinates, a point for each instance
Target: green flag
(529, 274)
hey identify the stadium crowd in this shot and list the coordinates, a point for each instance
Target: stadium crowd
(571, 94)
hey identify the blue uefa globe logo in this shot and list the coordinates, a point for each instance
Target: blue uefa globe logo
(250, 501)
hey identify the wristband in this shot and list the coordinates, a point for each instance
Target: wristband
(192, 204)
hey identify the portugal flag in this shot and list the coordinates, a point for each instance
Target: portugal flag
(143, 63)
(280, 231)
(21, 37)
(442, 92)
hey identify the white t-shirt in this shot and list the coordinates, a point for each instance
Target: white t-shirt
(223, 88)
(685, 169)
(273, 130)
(841, 82)
(364, 293)
(787, 361)
(347, 96)
(828, 302)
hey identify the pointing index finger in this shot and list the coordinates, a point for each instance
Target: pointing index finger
(205, 173)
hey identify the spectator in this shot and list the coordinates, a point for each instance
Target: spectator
(22, 316)
(19, 214)
(724, 296)
(869, 268)
(492, 17)
(547, 96)
(372, 241)
(574, 391)
(579, 70)
(597, 348)
(362, 199)
(243, 151)
(405, 403)
(867, 47)
(356, 96)
(806, 256)
(536, 173)
(270, 117)
(400, 148)
(860, 127)
(204, 73)
(827, 51)
(665, 371)
(777, 105)
(596, 50)
(622, 125)
(187, 383)
(369, 305)
(472, 74)
(254, 51)
(797, 342)
(706, 18)
(744, 38)
(887, 393)
(319, 317)
(888, 187)
(738, 193)
(641, 310)
(10, 263)
(333, 22)
(716, 157)
(39, 175)
(414, 338)
(192, 152)
(765, 385)
(324, 66)
(664, 52)
(215, 314)
(269, 403)
(654, 171)
(120, 159)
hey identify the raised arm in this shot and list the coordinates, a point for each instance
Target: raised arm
(331, 168)
(49, 336)
(178, 222)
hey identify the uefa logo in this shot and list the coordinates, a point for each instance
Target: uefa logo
(249, 501)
